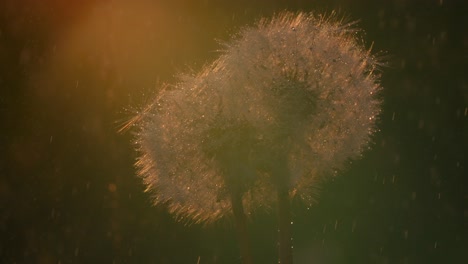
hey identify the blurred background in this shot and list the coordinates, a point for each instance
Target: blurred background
(72, 72)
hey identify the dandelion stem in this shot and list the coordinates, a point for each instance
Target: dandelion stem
(284, 224)
(241, 226)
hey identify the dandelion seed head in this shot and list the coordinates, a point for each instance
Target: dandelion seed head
(297, 89)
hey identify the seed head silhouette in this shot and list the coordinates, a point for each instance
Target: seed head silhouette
(284, 107)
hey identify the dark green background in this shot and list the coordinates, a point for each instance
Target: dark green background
(68, 190)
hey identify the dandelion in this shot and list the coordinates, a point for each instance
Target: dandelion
(284, 107)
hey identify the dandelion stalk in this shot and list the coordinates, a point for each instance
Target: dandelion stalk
(285, 106)
(241, 226)
(284, 221)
